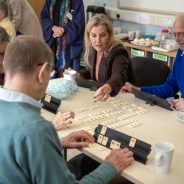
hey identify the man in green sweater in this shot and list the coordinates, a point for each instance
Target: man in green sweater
(30, 150)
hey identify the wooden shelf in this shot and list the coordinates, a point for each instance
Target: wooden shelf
(171, 55)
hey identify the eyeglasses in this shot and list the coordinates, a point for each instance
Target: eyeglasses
(179, 34)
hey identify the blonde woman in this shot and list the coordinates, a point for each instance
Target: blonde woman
(107, 60)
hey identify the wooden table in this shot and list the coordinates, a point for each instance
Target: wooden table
(156, 125)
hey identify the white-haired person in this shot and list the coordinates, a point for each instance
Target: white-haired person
(174, 82)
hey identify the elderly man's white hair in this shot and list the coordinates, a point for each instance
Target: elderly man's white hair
(180, 16)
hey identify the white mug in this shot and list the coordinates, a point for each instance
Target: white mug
(163, 156)
(69, 75)
(131, 35)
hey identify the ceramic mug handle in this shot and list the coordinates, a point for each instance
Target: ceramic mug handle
(158, 159)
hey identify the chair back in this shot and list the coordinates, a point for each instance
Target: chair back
(149, 71)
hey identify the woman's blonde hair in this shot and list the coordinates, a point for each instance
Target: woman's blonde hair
(98, 20)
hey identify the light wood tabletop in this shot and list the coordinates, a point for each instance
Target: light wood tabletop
(147, 123)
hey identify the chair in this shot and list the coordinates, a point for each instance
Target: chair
(149, 71)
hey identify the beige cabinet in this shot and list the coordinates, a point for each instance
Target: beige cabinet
(149, 52)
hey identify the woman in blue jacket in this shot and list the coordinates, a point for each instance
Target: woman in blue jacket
(63, 24)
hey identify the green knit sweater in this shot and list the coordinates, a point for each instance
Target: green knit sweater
(30, 150)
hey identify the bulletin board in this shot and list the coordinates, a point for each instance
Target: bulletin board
(157, 6)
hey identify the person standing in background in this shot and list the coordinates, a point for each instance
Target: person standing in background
(63, 23)
(4, 39)
(5, 21)
(24, 18)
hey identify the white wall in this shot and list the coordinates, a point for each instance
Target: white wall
(110, 3)
(144, 28)
(158, 6)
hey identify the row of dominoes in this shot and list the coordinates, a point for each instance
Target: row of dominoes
(84, 109)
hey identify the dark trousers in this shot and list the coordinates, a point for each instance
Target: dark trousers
(82, 165)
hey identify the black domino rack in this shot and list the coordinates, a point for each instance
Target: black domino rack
(140, 149)
(91, 84)
(50, 103)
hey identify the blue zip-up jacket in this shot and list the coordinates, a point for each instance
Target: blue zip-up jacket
(174, 82)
